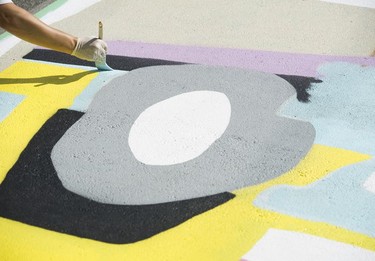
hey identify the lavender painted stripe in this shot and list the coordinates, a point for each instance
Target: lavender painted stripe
(274, 62)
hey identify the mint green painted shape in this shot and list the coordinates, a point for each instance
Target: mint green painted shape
(4, 35)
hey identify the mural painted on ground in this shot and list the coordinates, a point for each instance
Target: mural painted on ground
(187, 153)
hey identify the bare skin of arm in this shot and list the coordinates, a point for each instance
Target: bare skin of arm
(25, 26)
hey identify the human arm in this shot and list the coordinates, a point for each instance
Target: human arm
(25, 26)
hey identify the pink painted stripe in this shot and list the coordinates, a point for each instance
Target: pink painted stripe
(274, 62)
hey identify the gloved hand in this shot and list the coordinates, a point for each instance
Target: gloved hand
(90, 49)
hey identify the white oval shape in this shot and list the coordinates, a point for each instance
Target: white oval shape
(180, 128)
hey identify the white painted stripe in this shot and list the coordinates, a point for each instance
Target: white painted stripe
(360, 3)
(7, 43)
(71, 7)
(284, 245)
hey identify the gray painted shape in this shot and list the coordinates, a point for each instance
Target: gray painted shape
(93, 158)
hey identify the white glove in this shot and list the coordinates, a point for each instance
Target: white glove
(90, 49)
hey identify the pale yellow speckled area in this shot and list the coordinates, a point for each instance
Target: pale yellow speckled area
(47, 88)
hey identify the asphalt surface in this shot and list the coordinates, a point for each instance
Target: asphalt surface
(67, 158)
(33, 6)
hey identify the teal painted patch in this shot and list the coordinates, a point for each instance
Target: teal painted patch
(8, 101)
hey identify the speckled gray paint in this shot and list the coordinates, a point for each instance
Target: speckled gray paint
(93, 158)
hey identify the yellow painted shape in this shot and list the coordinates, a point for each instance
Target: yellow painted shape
(224, 233)
(47, 88)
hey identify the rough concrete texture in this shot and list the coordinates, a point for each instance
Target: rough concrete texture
(34, 5)
(298, 72)
(296, 26)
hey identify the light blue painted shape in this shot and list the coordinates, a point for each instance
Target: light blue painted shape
(342, 110)
(8, 102)
(82, 102)
(342, 107)
(338, 199)
(103, 66)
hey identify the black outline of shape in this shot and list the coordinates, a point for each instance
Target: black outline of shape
(300, 83)
(33, 194)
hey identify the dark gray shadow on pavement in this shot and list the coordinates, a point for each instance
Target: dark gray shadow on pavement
(54, 80)
(300, 83)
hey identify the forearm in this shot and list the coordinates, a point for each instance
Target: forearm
(25, 26)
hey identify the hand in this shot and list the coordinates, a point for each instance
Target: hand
(90, 49)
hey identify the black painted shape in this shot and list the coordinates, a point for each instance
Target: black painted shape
(33, 194)
(302, 84)
(116, 62)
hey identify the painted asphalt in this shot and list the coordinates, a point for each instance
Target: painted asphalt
(229, 130)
